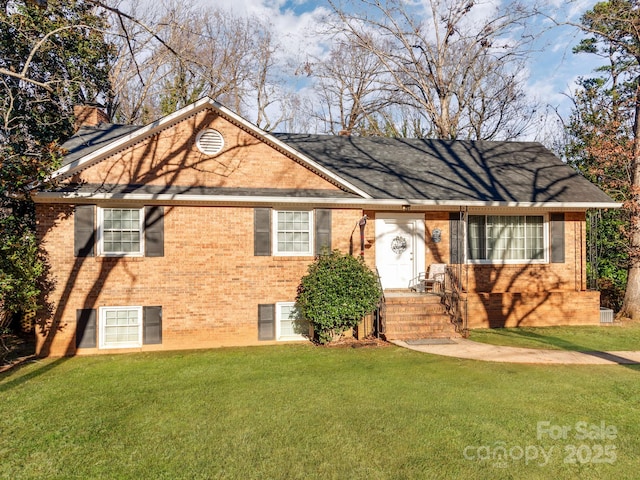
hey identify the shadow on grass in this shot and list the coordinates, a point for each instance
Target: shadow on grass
(544, 340)
(563, 344)
(20, 379)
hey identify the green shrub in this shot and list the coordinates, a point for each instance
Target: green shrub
(337, 292)
(20, 269)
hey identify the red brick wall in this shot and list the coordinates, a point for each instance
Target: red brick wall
(525, 294)
(521, 295)
(530, 309)
(209, 283)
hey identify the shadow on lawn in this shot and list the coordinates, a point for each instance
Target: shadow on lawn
(20, 379)
(562, 344)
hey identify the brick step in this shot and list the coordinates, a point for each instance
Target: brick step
(424, 318)
(415, 309)
(419, 335)
(421, 331)
(416, 335)
(409, 322)
(416, 316)
(413, 299)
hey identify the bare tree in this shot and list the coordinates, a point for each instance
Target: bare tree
(350, 88)
(276, 102)
(457, 62)
(204, 51)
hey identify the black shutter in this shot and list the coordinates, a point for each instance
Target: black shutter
(557, 237)
(154, 231)
(262, 231)
(323, 230)
(456, 235)
(86, 326)
(84, 231)
(151, 325)
(266, 322)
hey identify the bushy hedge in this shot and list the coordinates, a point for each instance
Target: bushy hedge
(337, 292)
(20, 269)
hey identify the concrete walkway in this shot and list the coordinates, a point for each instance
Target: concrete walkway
(463, 348)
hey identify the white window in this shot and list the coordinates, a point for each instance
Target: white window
(120, 327)
(506, 238)
(289, 324)
(121, 231)
(293, 233)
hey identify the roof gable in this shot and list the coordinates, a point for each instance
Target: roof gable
(164, 153)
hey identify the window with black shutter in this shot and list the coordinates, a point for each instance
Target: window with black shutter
(86, 328)
(266, 322)
(84, 230)
(262, 232)
(154, 231)
(557, 237)
(323, 231)
(152, 325)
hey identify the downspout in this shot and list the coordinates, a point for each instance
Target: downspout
(362, 223)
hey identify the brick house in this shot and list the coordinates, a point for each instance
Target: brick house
(194, 231)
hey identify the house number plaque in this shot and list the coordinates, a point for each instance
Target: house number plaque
(398, 245)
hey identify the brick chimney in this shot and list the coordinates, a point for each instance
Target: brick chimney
(88, 116)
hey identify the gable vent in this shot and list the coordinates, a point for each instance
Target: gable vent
(210, 142)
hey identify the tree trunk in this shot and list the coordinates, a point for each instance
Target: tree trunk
(631, 305)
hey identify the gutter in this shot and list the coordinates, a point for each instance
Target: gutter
(406, 205)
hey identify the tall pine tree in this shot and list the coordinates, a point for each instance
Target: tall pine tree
(611, 133)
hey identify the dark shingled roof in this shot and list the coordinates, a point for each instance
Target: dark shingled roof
(89, 139)
(461, 170)
(414, 169)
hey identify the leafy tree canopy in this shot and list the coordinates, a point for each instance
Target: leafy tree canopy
(51, 58)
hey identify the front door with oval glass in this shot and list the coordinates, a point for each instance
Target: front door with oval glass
(399, 249)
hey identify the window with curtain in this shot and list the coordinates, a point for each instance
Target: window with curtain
(505, 238)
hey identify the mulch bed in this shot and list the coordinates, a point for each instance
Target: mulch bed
(351, 342)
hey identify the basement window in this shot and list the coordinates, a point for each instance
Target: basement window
(120, 327)
(289, 323)
(209, 141)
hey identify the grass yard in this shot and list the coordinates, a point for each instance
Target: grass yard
(299, 411)
(624, 336)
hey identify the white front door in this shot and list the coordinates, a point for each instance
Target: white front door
(400, 248)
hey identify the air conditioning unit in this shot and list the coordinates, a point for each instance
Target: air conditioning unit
(606, 315)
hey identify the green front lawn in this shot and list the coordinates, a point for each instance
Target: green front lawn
(300, 411)
(625, 336)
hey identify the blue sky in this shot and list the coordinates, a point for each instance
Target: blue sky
(552, 71)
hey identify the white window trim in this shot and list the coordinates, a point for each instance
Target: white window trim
(102, 326)
(545, 237)
(274, 235)
(100, 233)
(279, 336)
